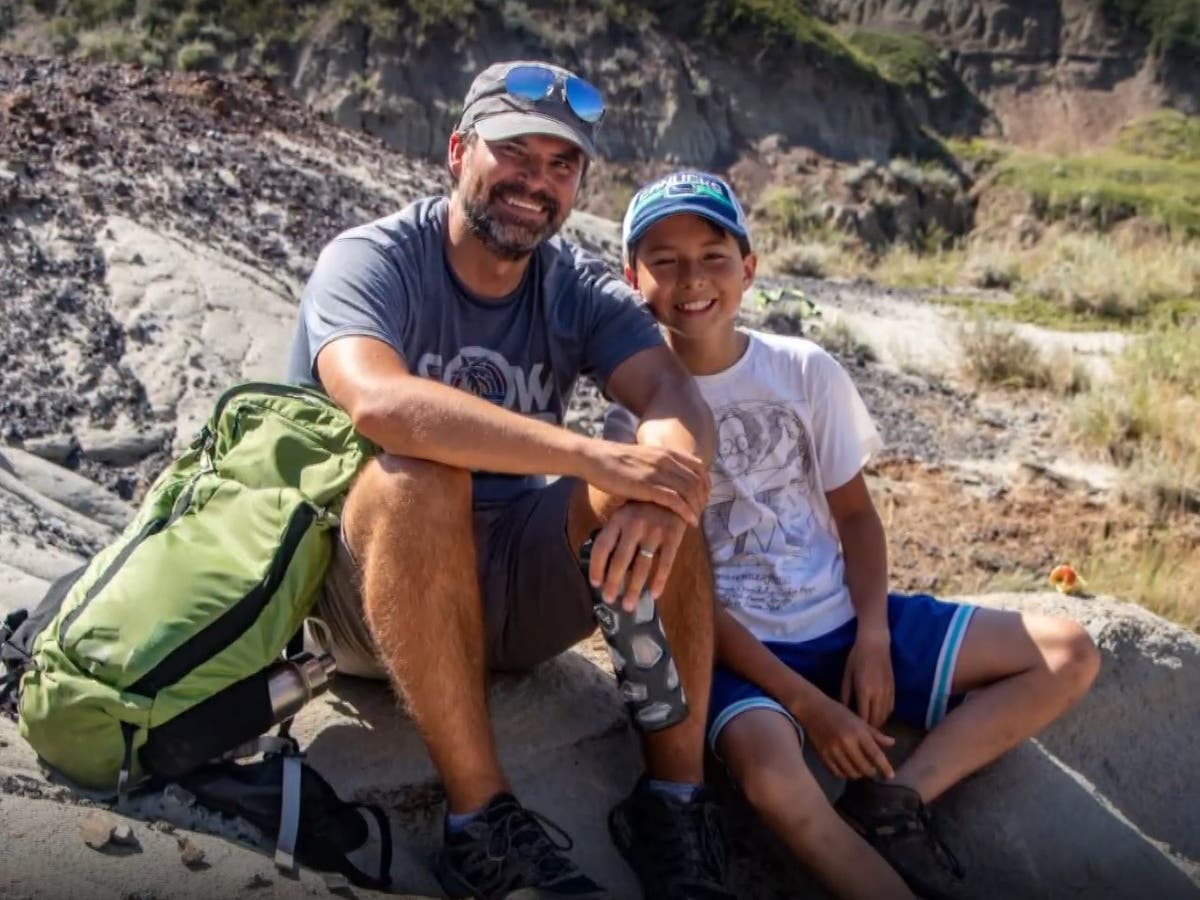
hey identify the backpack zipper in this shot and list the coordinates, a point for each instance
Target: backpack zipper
(237, 619)
(151, 528)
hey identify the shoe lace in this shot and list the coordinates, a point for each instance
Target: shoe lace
(536, 839)
(693, 846)
(940, 851)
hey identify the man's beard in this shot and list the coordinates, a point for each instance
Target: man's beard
(503, 237)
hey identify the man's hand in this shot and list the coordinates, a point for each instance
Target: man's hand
(848, 746)
(672, 479)
(616, 552)
(868, 676)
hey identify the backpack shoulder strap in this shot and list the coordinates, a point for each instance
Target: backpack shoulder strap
(288, 799)
(18, 633)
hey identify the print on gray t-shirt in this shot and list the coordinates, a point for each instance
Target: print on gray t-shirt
(390, 280)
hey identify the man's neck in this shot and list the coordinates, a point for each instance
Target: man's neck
(481, 272)
(713, 355)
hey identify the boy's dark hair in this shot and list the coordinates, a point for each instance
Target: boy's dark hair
(743, 243)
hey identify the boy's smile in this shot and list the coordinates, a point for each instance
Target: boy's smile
(693, 274)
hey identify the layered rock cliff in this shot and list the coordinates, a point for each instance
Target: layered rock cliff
(1061, 74)
(671, 97)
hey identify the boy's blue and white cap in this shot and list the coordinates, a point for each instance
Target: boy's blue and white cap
(698, 193)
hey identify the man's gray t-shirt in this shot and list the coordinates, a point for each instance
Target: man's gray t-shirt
(390, 280)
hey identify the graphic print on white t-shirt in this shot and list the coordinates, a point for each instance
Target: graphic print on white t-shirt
(760, 520)
(790, 426)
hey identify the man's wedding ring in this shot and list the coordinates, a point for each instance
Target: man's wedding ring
(643, 551)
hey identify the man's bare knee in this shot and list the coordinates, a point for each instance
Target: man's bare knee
(391, 490)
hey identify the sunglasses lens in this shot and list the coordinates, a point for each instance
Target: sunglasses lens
(584, 99)
(529, 82)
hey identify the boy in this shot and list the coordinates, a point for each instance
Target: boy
(809, 641)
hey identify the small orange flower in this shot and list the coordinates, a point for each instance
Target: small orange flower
(1066, 580)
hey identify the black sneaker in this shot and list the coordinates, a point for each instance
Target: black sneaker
(677, 849)
(507, 853)
(899, 826)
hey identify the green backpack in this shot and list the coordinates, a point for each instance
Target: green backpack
(201, 592)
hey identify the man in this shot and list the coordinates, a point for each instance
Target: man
(453, 332)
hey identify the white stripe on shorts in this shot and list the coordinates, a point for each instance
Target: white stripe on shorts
(943, 675)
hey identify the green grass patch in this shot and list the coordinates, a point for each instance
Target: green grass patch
(907, 59)
(976, 150)
(1103, 188)
(774, 26)
(1032, 310)
(239, 31)
(1166, 134)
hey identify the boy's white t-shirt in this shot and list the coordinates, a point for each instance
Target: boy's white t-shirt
(790, 426)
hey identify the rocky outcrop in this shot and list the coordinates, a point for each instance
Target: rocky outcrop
(1097, 805)
(1057, 73)
(668, 98)
(155, 231)
(1125, 839)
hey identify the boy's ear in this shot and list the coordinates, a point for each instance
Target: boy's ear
(631, 276)
(749, 266)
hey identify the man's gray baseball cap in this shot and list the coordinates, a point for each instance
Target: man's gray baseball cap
(497, 115)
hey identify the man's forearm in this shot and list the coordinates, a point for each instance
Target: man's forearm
(677, 417)
(864, 546)
(425, 419)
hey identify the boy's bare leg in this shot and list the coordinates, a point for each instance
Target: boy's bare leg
(1024, 671)
(764, 755)
(408, 523)
(686, 610)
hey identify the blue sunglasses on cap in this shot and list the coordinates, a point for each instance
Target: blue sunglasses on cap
(536, 83)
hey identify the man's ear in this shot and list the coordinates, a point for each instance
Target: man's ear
(455, 151)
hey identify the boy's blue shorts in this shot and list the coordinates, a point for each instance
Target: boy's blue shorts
(926, 636)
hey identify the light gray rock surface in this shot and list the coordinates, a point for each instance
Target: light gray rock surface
(1103, 805)
(1097, 806)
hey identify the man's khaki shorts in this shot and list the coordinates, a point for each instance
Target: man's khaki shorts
(536, 600)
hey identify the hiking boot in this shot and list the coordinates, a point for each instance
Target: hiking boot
(899, 826)
(507, 853)
(676, 848)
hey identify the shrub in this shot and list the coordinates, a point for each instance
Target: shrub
(991, 269)
(196, 56)
(1166, 134)
(808, 260)
(110, 43)
(1172, 27)
(840, 339)
(789, 212)
(905, 267)
(1092, 274)
(1145, 418)
(63, 39)
(909, 60)
(996, 354)
(773, 26)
